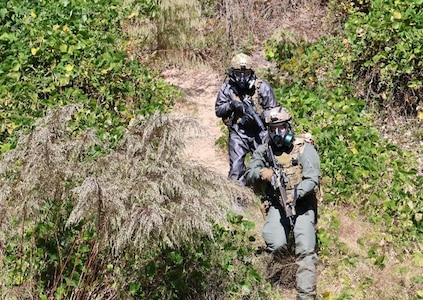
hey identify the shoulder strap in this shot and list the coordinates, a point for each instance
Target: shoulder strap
(256, 98)
(258, 83)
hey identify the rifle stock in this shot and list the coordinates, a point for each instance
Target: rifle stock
(279, 185)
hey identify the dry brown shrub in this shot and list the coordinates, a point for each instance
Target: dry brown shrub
(144, 191)
(281, 272)
(140, 194)
(189, 32)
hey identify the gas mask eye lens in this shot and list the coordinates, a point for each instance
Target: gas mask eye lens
(242, 72)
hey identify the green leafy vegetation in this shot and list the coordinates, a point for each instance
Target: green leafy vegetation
(72, 52)
(217, 260)
(382, 46)
(331, 88)
(359, 167)
(96, 200)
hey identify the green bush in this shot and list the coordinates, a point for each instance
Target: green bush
(359, 168)
(322, 84)
(384, 47)
(72, 52)
(213, 268)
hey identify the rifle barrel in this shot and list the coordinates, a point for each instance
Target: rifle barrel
(283, 198)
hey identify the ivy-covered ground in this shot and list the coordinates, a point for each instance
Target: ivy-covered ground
(96, 200)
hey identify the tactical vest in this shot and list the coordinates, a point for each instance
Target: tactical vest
(292, 172)
(294, 175)
(257, 100)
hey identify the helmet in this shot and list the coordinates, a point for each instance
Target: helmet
(240, 61)
(277, 115)
(241, 73)
(281, 135)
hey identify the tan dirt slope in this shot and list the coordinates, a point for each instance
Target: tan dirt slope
(201, 87)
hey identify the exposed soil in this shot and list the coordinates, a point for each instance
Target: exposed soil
(201, 87)
(305, 19)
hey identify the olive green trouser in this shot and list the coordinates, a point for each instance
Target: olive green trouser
(275, 233)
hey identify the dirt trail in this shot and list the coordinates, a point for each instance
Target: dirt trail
(201, 87)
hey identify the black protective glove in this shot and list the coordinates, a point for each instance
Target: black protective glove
(246, 119)
(237, 106)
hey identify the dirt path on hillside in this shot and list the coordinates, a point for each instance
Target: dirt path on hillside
(201, 87)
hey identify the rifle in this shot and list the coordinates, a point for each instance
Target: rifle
(249, 110)
(279, 184)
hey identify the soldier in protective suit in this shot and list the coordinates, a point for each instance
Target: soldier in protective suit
(245, 135)
(299, 159)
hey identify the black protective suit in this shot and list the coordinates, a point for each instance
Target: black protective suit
(244, 133)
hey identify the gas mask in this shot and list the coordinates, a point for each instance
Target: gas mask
(282, 141)
(244, 78)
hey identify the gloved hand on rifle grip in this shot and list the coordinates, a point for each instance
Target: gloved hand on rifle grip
(246, 118)
(266, 174)
(248, 101)
(237, 106)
